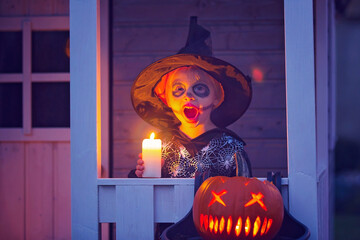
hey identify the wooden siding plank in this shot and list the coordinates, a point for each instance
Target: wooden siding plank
(130, 200)
(267, 153)
(61, 7)
(40, 7)
(171, 12)
(62, 196)
(39, 191)
(129, 39)
(12, 8)
(272, 65)
(12, 191)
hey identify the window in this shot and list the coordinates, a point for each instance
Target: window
(35, 79)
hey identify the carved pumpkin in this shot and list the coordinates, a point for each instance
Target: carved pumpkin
(237, 208)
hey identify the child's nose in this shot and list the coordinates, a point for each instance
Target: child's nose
(189, 95)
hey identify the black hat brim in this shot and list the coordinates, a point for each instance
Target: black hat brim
(236, 86)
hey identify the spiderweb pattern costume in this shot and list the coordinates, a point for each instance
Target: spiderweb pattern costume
(218, 157)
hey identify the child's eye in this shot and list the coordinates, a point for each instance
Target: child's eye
(201, 90)
(178, 90)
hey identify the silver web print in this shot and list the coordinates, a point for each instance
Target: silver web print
(218, 157)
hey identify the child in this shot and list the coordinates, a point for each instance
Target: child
(191, 97)
(196, 144)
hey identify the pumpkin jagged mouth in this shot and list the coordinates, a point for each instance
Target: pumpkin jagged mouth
(222, 225)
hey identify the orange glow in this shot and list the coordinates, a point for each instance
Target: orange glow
(247, 183)
(217, 198)
(201, 220)
(238, 227)
(222, 225)
(257, 75)
(211, 223)
(256, 199)
(263, 228)
(247, 226)
(206, 222)
(268, 225)
(152, 135)
(257, 224)
(216, 225)
(98, 115)
(229, 225)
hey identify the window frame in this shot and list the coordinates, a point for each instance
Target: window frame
(26, 25)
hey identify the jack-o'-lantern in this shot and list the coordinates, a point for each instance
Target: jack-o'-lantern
(237, 208)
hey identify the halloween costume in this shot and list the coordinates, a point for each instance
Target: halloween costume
(215, 152)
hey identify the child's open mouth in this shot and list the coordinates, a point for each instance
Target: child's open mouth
(191, 112)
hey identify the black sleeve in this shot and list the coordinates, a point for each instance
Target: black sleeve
(243, 167)
(132, 174)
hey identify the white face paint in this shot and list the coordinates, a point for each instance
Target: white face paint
(191, 94)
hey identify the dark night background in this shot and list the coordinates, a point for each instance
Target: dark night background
(347, 150)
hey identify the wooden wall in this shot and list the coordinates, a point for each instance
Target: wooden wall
(12, 8)
(34, 175)
(35, 190)
(248, 34)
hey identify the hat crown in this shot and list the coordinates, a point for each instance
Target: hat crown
(198, 41)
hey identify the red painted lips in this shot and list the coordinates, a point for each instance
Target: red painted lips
(191, 112)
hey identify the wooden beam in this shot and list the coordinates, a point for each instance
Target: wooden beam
(322, 59)
(83, 89)
(301, 119)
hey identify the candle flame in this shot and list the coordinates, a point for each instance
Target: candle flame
(152, 135)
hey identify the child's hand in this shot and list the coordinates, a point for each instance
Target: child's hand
(140, 167)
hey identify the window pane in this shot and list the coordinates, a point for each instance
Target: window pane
(49, 51)
(11, 105)
(10, 52)
(51, 104)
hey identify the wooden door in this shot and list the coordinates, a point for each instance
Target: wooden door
(34, 121)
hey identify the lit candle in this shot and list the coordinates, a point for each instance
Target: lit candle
(151, 155)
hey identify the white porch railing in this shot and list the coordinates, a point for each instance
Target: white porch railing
(136, 204)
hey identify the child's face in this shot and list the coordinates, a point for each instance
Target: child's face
(191, 93)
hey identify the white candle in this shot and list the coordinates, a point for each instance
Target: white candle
(151, 155)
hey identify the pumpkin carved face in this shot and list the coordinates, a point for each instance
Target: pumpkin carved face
(237, 208)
